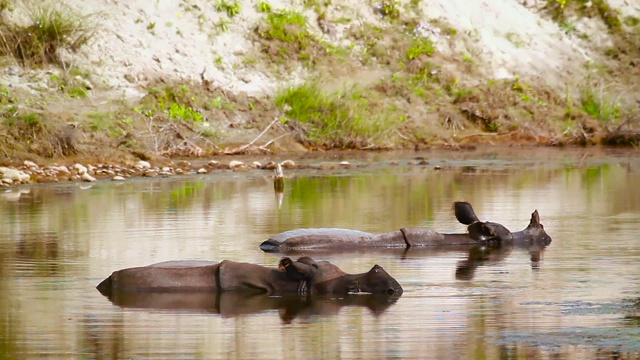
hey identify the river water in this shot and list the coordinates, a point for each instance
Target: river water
(579, 298)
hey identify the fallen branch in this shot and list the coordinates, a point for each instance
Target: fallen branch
(274, 140)
(243, 148)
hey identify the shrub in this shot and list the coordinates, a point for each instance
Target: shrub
(599, 105)
(50, 28)
(343, 119)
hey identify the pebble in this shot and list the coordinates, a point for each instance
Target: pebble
(11, 174)
(143, 165)
(30, 164)
(87, 178)
(80, 169)
(29, 171)
(235, 163)
(269, 166)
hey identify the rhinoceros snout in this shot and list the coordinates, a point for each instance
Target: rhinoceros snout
(395, 291)
(269, 246)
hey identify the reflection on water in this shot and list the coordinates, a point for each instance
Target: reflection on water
(230, 303)
(577, 298)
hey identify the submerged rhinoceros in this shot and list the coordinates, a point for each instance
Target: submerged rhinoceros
(477, 232)
(302, 276)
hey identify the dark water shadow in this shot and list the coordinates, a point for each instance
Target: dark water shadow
(478, 256)
(232, 303)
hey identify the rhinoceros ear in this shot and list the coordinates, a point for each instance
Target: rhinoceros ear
(478, 231)
(464, 212)
(483, 231)
(296, 270)
(535, 220)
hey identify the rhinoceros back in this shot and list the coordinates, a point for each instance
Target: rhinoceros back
(316, 238)
(320, 232)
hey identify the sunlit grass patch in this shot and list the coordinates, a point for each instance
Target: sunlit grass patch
(599, 105)
(350, 118)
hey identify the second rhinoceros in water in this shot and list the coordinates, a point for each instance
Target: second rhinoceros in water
(478, 232)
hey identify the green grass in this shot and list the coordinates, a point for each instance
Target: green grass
(420, 46)
(183, 112)
(50, 27)
(287, 26)
(77, 92)
(231, 8)
(599, 105)
(5, 96)
(351, 118)
(174, 102)
(70, 83)
(286, 37)
(388, 9)
(560, 10)
(263, 7)
(6, 5)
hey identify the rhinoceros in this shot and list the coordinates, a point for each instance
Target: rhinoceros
(302, 276)
(478, 232)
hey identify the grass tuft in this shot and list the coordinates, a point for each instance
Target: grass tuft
(420, 46)
(285, 36)
(51, 27)
(598, 105)
(287, 26)
(231, 8)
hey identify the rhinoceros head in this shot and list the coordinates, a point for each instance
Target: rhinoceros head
(324, 277)
(376, 281)
(534, 233)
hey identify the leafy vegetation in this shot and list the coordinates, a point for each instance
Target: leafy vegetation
(561, 9)
(388, 9)
(71, 82)
(286, 36)
(51, 27)
(420, 46)
(231, 8)
(263, 7)
(287, 26)
(599, 105)
(351, 118)
(5, 5)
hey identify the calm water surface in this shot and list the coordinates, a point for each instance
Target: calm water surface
(580, 300)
